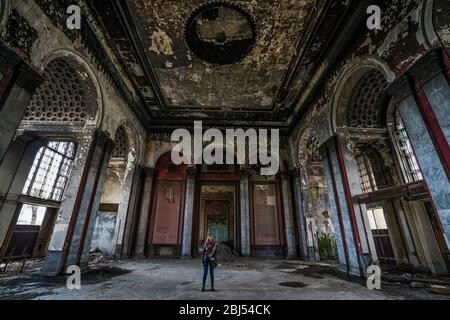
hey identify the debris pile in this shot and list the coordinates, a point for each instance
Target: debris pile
(226, 253)
(417, 280)
(96, 256)
(21, 266)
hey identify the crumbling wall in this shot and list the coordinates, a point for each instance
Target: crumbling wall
(442, 21)
(103, 238)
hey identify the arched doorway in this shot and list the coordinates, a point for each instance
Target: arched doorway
(216, 206)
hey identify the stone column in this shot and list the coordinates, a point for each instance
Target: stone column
(14, 172)
(288, 214)
(300, 214)
(65, 245)
(423, 100)
(431, 77)
(124, 250)
(96, 195)
(245, 213)
(335, 208)
(358, 212)
(188, 212)
(144, 215)
(125, 202)
(16, 88)
(82, 211)
(349, 250)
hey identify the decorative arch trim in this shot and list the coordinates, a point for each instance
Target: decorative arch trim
(354, 71)
(83, 62)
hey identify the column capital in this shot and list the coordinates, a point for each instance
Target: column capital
(148, 172)
(294, 172)
(286, 175)
(26, 137)
(101, 137)
(191, 172)
(27, 77)
(244, 173)
(109, 146)
(428, 67)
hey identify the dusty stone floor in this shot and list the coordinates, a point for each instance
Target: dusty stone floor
(181, 279)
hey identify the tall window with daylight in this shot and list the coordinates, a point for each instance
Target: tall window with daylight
(365, 170)
(411, 170)
(50, 171)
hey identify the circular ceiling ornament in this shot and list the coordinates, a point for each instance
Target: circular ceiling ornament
(220, 33)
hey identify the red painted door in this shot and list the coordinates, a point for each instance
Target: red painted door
(168, 211)
(265, 211)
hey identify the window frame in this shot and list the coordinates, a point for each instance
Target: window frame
(49, 153)
(409, 166)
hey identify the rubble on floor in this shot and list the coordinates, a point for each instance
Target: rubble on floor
(441, 290)
(20, 266)
(416, 280)
(96, 256)
(225, 253)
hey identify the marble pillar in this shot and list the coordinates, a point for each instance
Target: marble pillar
(124, 250)
(422, 97)
(145, 211)
(78, 201)
(188, 212)
(245, 213)
(288, 215)
(17, 85)
(124, 205)
(97, 191)
(300, 214)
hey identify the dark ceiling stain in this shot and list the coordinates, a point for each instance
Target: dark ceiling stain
(220, 33)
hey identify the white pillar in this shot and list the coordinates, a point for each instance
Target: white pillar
(188, 212)
(245, 213)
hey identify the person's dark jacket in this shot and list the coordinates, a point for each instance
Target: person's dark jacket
(211, 254)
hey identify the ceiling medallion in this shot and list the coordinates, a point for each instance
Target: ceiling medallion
(220, 33)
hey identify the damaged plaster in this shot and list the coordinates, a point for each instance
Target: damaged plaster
(161, 43)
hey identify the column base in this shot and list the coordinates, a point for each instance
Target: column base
(140, 256)
(118, 252)
(53, 263)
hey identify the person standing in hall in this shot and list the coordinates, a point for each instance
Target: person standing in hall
(209, 260)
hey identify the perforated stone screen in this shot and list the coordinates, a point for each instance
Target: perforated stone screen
(67, 95)
(122, 147)
(367, 102)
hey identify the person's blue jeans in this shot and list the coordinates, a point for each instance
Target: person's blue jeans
(208, 265)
